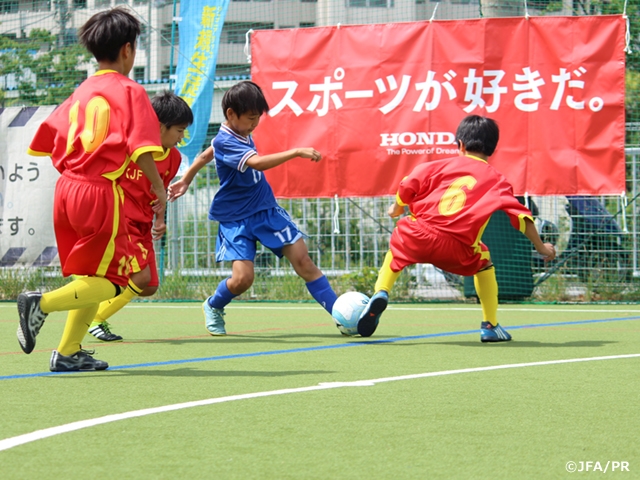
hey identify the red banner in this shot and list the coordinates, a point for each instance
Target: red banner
(376, 100)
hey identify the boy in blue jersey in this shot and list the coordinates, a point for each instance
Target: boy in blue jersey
(246, 207)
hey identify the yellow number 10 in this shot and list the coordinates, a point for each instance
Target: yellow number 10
(455, 197)
(96, 124)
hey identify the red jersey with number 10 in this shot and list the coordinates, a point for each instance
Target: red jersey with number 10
(458, 195)
(138, 195)
(83, 136)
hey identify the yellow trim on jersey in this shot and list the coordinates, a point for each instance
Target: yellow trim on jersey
(399, 200)
(141, 150)
(523, 225)
(476, 158)
(38, 154)
(103, 72)
(110, 251)
(162, 156)
(484, 255)
(117, 173)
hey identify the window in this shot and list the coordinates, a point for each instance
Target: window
(8, 6)
(309, 1)
(235, 32)
(372, 3)
(138, 74)
(36, 6)
(164, 74)
(228, 69)
(307, 24)
(103, 3)
(79, 4)
(165, 35)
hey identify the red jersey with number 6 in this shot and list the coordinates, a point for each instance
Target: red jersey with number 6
(458, 195)
(105, 123)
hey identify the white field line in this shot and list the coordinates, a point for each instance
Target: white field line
(8, 443)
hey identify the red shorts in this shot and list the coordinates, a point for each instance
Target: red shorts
(142, 249)
(90, 231)
(413, 242)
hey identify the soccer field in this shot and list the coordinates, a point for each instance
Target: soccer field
(285, 396)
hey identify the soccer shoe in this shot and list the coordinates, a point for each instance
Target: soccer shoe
(81, 360)
(368, 321)
(489, 333)
(102, 331)
(213, 319)
(31, 320)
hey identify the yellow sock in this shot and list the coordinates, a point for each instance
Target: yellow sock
(487, 289)
(80, 293)
(109, 307)
(75, 329)
(386, 276)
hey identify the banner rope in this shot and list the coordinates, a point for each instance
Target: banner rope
(247, 45)
(433, 15)
(336, 222)
(624, 212)
(627, 33)
(526, 10)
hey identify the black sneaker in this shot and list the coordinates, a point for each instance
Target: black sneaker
(102, 332)
(31, 320)
(370, 317)
(81, 360)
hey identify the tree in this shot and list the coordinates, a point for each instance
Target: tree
(43, 73)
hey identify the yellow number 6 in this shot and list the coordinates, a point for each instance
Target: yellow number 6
(455, 197)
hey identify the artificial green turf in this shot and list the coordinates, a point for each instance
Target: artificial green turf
(512, 423)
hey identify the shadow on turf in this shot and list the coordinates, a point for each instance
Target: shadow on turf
(239, 338)
(191, 372)
(516, 344)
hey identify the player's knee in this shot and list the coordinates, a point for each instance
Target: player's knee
(305, 267)
(141, 279)
(148, 291)
(238, 284)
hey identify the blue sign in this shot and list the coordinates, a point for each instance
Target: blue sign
(199, 32)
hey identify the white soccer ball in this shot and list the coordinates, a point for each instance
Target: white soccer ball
(347, 310)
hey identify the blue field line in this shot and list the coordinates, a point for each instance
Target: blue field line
(322, 347)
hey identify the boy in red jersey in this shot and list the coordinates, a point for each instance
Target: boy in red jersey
(175, 116)
(450, 202)
(91, 138)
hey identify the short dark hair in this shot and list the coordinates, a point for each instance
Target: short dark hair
(244, 97)
(171, 109)
(105, 33)
(479, 134)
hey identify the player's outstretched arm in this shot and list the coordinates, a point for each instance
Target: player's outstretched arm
(395, 210)
(179, 188)
(262, 163)
(148, 166)
(547, 250)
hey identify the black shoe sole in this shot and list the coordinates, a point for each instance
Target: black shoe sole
(368, 324)
(30, 343)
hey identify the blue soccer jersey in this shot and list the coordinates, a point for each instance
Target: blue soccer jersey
(243, 191)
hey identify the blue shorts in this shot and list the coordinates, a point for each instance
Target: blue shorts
(273, 228)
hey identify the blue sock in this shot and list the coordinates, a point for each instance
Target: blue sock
(321, 290)
(222, 297)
